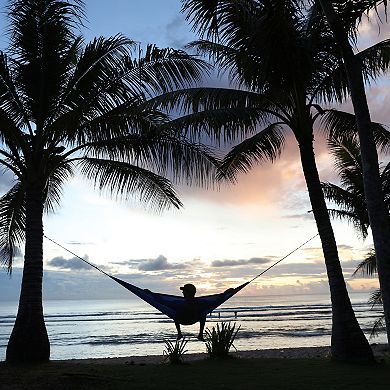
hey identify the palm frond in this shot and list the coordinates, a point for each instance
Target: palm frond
(162, 70)
(332, 85)
(351, 13)
(162, 152)
(375, 60)
(54, 21)
(376, 298)
(348, 162)
(92, 77)
(339, 124)
(385, 176)
(265, 145)
(191, 100)
(95, 85)
(352, 217)
(12, 223)
(110, 89)
(215, 18)
(221, 126)
(350, 196)
(132, 116)
(242, 67)
(222, 114)
(53, 191)
(351, 206)
(378, 326)
(41, 32)
(382, 138)
(368, 266)
(11, 102)
(123, 180)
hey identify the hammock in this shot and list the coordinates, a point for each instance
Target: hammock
(182, 310)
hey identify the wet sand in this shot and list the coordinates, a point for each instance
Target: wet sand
(379, 350)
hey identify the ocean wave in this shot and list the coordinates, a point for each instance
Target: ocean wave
(102, 331)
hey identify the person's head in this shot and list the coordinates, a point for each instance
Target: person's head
(189, 290)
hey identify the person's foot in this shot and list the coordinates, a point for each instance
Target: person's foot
(200, 337)
(179, 336)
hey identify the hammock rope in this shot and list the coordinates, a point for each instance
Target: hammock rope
(180, 309)
(284, 257)
(250, 281)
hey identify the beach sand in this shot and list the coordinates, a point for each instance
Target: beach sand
(380, 350)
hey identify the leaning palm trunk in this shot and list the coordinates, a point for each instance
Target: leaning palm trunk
(377, 211)
(24, 344)
(348, 341)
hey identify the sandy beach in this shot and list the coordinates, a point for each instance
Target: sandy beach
(380, 350)
(299, 368)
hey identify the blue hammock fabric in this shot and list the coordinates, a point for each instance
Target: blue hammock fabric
(181, 310)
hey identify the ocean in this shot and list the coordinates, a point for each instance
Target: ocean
(107, 328)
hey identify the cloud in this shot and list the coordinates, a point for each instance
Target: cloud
(177, 32)
(161, 263)
(73, 264)
(345, 247)
(304, 216)
(236, 263)
(274, 185)
(80, 243)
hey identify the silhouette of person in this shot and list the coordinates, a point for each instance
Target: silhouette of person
(190, 312)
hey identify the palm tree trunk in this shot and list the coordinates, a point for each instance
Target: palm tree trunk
(377, 212)
(348, 342)
(29, 340)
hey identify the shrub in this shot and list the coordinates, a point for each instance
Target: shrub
(173, 353)
(219, 340)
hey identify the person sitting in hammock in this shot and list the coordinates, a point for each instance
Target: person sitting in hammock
(195, 309)
(190, 313)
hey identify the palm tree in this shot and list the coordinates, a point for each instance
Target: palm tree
(283, 65)
(342, 21)
(368, 266)
(70, 107)
(349, 198)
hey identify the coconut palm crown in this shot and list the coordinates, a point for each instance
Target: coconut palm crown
(70, 107)
(349, 199)
(349, 195)
(283, 62)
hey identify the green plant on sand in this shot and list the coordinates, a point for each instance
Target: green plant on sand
(173, 354)
(220, 339)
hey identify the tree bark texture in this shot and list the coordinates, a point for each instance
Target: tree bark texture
(29, 342)
(377, 212)
(348, 341)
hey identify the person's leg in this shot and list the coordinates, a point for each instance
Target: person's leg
(179, 334)
(202, 323)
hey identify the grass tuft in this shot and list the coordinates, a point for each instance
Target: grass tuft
(174, 352)
(220, 339)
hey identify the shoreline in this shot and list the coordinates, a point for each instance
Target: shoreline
(380, 351)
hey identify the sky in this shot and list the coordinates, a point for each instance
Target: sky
(220, 238)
